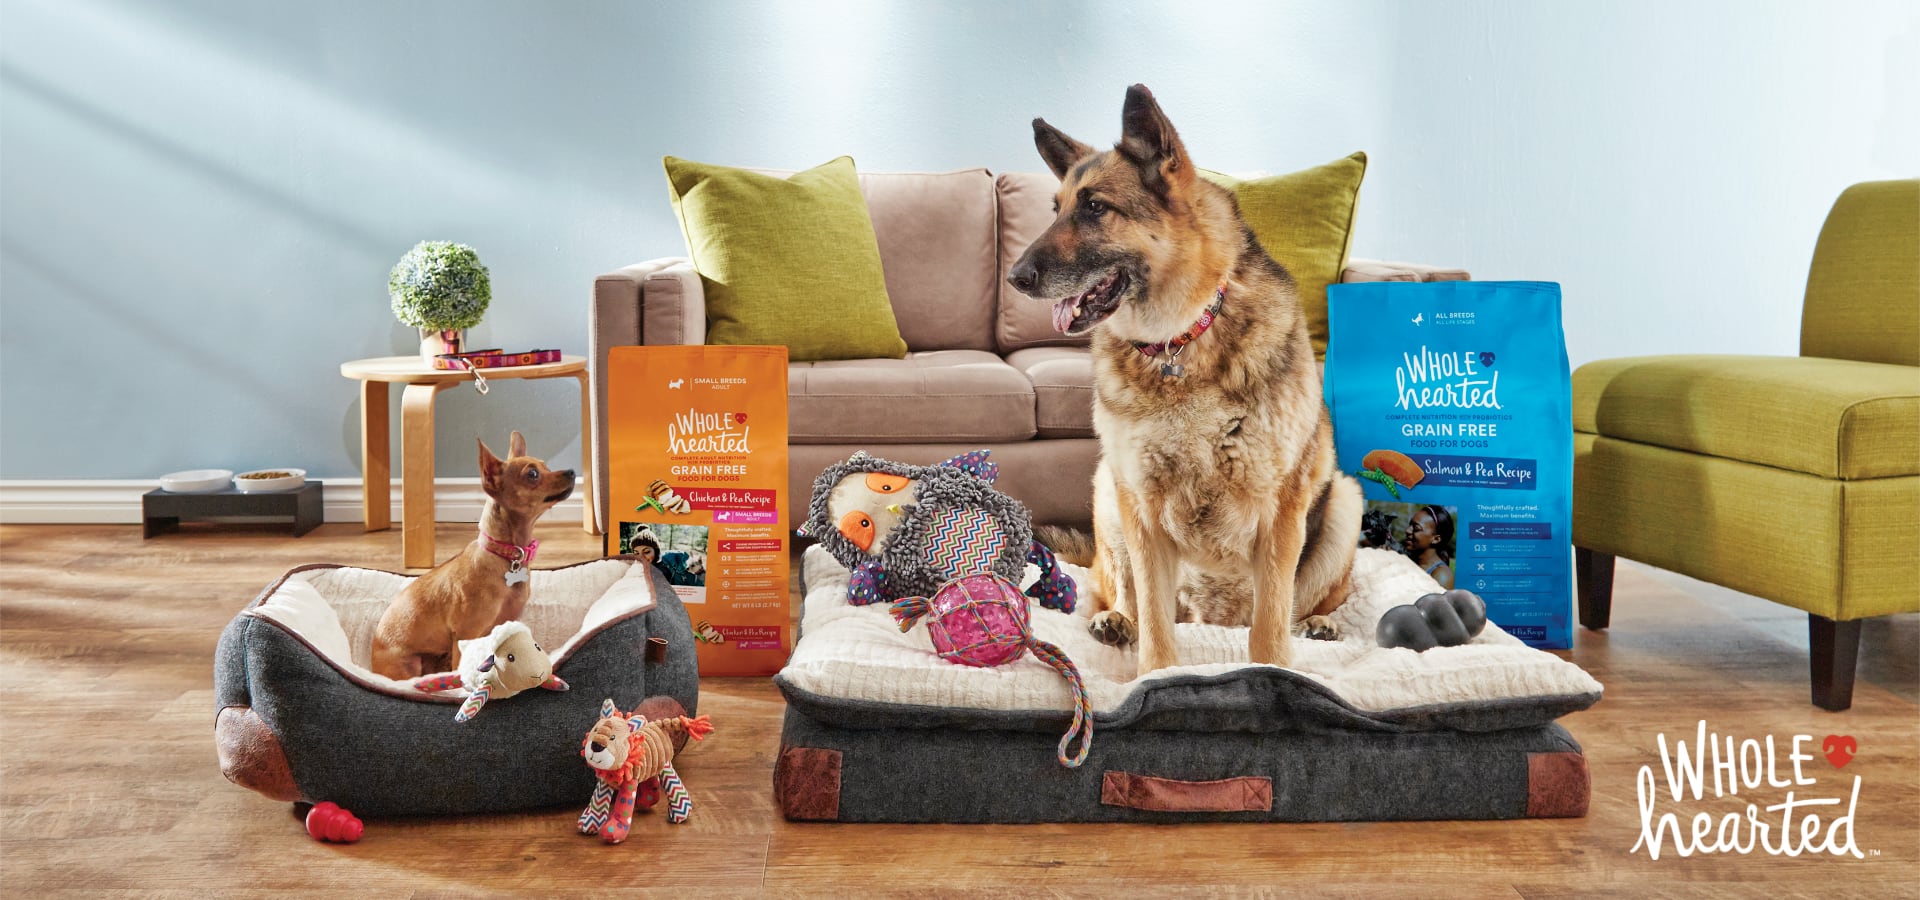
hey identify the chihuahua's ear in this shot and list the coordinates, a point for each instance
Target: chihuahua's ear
(489, 467)
(516, 446)
(1147, 139)
(1057, 150)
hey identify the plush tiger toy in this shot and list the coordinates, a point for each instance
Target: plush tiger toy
(629, 753)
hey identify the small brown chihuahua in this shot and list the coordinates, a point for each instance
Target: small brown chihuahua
(486, 584)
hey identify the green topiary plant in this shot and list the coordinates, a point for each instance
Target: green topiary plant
(440, 286)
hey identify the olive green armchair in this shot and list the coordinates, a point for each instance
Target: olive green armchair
(1678, 460)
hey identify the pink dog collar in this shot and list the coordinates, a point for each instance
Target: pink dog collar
(517, 556)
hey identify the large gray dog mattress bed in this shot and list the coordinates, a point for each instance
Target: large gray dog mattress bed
(300, 716)
(878, 729)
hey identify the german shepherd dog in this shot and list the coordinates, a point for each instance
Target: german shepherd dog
(1217, 495)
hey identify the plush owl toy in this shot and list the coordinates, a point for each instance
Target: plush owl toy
(906, 530)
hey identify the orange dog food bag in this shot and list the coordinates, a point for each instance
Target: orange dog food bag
(697, 464)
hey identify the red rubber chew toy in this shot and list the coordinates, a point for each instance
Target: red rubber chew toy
(330, 822)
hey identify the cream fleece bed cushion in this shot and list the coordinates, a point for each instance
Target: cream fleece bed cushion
(335, 610)
(854, 667)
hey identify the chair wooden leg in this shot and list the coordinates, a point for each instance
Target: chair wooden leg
(1593, 580)
(1833, 647)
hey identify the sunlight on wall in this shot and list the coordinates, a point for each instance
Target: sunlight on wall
(202, 198)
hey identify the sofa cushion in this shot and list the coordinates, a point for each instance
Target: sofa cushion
(789, 261)
(1829, 417)
(1841, 549)
(1304, 220)
(938, 395)
(1062, 389)
(939, 246)
(1026, 209)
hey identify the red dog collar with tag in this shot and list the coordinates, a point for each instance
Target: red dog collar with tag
(1190, 335)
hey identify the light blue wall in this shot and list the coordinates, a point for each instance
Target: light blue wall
(202, 199)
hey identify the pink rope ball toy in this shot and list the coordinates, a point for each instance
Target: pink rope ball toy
(981, 620)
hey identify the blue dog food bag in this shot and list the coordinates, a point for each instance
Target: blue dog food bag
(1451, 403)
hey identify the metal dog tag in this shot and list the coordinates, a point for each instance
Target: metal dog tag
(1173, 370)
(516, 575)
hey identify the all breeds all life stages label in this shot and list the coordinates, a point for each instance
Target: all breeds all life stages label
(1451, 402)
(697, 447)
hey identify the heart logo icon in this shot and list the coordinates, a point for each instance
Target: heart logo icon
(1840, 749)
(740, 417)
(1486, 358)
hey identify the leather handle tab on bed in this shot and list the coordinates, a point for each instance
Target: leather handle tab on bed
(1246, 794)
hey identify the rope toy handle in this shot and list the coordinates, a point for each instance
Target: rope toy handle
(910, 610)
(1082, 706)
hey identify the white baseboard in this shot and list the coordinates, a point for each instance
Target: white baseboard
(117, 501)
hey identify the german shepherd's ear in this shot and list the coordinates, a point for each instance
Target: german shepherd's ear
(1147, 139)
(1056, 149)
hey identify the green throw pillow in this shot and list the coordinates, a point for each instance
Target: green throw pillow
(1305, 222)
(787, 261)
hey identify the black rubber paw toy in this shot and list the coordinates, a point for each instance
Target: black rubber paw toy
(1436, 620)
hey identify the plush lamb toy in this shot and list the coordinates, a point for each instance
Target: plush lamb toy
(906, 530)
(503, 663)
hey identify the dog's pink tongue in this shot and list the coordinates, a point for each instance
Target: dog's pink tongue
(1063, 315)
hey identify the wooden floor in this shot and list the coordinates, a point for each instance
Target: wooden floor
(108, 780)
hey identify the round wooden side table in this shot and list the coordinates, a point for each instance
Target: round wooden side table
(424, 382)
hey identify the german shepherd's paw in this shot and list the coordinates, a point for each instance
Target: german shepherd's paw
(1112, 627)
(1319, 628)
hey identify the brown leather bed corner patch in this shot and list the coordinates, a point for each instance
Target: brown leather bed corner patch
(1246, 794)
(250, 755)
(1557, 785)
(806, 784)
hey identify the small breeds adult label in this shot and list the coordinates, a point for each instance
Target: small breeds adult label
(697, 462)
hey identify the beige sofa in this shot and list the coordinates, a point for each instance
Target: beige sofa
(984, 367)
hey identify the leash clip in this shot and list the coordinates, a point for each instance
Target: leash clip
(479, 380)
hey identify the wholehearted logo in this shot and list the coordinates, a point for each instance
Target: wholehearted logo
(1819, 812)
(1840, 749)
(1486, 358)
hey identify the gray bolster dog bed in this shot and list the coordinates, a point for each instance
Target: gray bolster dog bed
(300, 717)
(878, 729)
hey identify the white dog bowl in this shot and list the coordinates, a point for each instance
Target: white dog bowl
(197, 481)
(256, 482)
